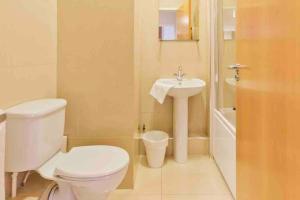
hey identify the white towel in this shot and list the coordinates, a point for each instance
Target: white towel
(160, 91)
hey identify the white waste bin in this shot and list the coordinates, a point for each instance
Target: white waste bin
(156, 143)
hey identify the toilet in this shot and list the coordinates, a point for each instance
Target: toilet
(34, 138)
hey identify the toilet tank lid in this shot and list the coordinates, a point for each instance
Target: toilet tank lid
(36, 108)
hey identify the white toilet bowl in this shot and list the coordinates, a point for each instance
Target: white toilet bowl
(86, 173)
(98, 189)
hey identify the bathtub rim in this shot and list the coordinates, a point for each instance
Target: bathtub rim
(226, 123)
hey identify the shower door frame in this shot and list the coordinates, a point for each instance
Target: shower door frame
(213, 66)
(219, 125)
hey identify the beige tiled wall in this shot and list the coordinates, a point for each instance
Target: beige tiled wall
(161, 59)
(28, 52)
(28, 42)
(97, 73)
(137, 64)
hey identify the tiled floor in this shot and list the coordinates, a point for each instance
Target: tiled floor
(198, 179)
(33, 188)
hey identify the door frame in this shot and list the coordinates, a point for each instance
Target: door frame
(213, 68)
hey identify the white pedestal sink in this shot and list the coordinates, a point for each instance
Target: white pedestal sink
(181, 91)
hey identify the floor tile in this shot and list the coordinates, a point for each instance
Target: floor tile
(198, 176)
(197, 197)
(135, 197)
(28, 198)
(121, 194)
(33, 188)
(148, 180)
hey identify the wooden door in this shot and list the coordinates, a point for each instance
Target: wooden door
(268, 100)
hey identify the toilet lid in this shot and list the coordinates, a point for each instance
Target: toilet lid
(92, 161)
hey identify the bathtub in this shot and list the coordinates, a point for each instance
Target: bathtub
(230, 116)
(224, 145)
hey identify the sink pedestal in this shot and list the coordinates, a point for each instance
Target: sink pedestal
(180, 129)
(180, 91)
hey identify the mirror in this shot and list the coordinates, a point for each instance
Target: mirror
(179, 20)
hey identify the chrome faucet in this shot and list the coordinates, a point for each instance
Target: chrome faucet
(237, 68)
(179, 75)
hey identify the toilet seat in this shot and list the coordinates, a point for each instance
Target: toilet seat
(85, 163)
(87, 172)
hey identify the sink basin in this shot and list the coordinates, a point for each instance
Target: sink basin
(231, 83)
(181, 91)
(184, 88)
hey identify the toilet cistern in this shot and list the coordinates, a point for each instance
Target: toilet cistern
(180, 90)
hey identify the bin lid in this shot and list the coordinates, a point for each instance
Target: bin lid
(155, 136)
